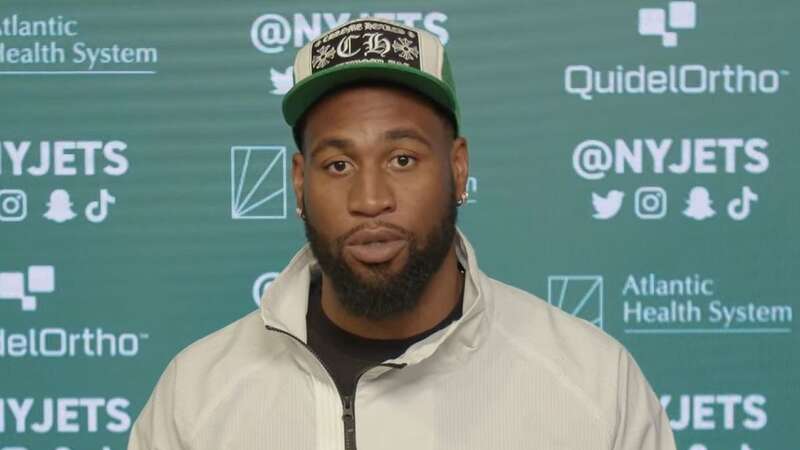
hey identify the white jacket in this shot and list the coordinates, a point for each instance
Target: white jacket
(512, 373)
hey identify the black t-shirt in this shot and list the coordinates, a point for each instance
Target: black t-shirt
(347, 355)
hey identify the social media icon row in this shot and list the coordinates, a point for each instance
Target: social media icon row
(14, 206)
(650, 203)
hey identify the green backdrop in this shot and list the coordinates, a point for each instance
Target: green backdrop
(633, 162)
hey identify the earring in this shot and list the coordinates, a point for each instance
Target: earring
(300, 213)
(463, 198)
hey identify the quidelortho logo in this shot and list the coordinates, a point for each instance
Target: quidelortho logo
(258, 182)
(597, 160)
(579, 295)
(60, 45)
(90, 159)
(276, 34)
(19, 287)
(680, 15)
(588, 82)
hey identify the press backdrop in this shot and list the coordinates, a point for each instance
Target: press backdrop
(633, 162)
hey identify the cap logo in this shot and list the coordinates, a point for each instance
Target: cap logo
(366, 41)
(377, 44)
(345, 47)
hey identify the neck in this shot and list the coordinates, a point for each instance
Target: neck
(436, 302)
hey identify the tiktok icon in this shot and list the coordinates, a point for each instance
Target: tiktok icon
(739, 208)
(97, 211)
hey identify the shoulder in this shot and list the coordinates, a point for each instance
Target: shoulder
(581, 357)
(529, 319)
(215, 359)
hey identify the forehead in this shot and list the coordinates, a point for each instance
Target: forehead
(372, 108)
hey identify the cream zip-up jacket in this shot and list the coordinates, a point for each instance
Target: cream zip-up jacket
(512, 373)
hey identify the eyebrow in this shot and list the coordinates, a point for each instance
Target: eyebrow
(390, 135)
(339, 143)
(406, 133)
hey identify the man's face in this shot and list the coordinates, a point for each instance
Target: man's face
(378, 180)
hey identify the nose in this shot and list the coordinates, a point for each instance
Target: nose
(371, 194)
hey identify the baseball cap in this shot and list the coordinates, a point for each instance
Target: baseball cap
(369, 49)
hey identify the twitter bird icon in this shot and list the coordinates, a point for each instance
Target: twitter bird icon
(282, 81)
(608, 206)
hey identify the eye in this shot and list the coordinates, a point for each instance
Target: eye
(403, 161)
(337, 167)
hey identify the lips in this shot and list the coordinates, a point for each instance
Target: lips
(376, 245)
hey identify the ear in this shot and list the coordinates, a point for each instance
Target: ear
(459, 163)
(298, 176)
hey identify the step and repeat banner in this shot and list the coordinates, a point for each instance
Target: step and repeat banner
(632, 162)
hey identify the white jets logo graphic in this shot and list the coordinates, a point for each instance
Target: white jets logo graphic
(376, 43)
(608, 206)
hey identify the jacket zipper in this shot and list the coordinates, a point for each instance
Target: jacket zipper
(348, 401)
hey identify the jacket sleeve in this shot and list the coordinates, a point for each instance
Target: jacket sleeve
(157, 426)
(642, 423)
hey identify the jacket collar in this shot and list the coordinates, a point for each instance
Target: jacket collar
(285, 303)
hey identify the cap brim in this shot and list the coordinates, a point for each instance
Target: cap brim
(309, 90)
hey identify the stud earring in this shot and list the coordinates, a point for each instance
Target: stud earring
(463, 198)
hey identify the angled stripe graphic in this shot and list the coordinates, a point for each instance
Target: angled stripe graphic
(242, 178)
(260, 180)
(563, 293)
(585, 298)
(261, 202)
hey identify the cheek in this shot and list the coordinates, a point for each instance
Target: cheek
(326, 208)
(425, 196)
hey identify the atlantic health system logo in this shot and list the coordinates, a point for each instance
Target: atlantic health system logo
(654, 304)
(258, 182)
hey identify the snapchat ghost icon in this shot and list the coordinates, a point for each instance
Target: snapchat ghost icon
(698, 205)
(59, 208)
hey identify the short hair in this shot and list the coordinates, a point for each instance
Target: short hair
(447, 117)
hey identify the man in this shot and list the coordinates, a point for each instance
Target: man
(382, 333)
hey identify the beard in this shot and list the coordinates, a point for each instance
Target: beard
(384, 294)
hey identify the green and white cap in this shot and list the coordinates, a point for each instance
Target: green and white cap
(369, 49)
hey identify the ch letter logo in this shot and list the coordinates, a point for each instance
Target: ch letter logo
(345, 47)
(376, 43)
